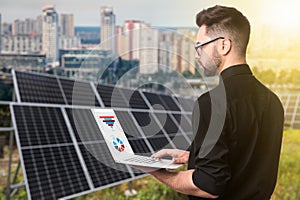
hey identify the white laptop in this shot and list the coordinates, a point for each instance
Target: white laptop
(118, 144)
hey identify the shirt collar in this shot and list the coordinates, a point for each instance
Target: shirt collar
(236, 70)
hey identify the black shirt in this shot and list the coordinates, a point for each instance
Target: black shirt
(237, 138)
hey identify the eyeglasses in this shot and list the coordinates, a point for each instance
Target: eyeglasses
(198, 45)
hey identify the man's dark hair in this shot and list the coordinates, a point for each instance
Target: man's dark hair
(226, 22)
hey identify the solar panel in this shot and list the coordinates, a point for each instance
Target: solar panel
(169, 102)
(152, 130)
(155, 101)
(135, 138)
(53, 172)
(39, 88)
(41, 126)
(189, 117)
(183, 122)
(50, 163)
(186, 104)
(101, 166)
(172, 130)
(111, 96)
(165, 120)
(84, 125)
(159, 142)
(78, 92)
(62, 150)
(134, 98)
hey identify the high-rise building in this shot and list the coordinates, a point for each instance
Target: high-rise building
(66, 22)
(166, 50)
(132, 33)
(50, 34)
(108, 29)
(138, 41)
(148, 50)
(27, 26)
(39, 24)
(22, 43)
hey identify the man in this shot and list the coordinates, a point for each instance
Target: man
(236, 148)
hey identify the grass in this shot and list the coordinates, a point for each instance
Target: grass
(287, 188)
(288, 183)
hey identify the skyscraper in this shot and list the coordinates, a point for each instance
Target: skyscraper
(108, 29)
(141, 43)
(50, 34)
(66, 22)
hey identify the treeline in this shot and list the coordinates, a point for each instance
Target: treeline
(281, 77)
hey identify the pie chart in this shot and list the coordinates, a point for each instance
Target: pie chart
(118, 144)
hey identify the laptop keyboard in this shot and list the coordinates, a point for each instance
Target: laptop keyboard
(142, 159)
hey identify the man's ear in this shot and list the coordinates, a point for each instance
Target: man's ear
(225, 47)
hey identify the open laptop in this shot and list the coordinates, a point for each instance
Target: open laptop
(118, 144)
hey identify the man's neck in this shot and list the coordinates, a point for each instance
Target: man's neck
(231, 62)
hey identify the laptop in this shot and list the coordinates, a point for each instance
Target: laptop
(118, 144)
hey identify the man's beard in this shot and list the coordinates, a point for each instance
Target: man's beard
(210, 67)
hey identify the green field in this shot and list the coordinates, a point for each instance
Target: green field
(287, 188)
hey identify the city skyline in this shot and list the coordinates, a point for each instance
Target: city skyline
(273, 12)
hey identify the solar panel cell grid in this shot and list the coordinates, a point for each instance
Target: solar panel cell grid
(155, 101)
(139, 146)
(78, 93)
(111, 96)
(136, 141)
(167, 123)
(186, 104)
(159, 143)
(180, 142)
(148, 124)
(183, 122)
(127, 124)
(39, 89)
(41, 126)
(134, 98)
(288, 118)
(53, 172)
(169, 102)
(101, 166)
(84, 125)
(290, 109)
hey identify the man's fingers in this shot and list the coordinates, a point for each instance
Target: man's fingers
(179, 161)
(161, 153)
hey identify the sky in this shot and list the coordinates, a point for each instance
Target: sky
(169, 13)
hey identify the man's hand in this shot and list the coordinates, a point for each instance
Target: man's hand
(179, 156)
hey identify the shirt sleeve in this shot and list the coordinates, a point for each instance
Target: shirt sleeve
(212, 171)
